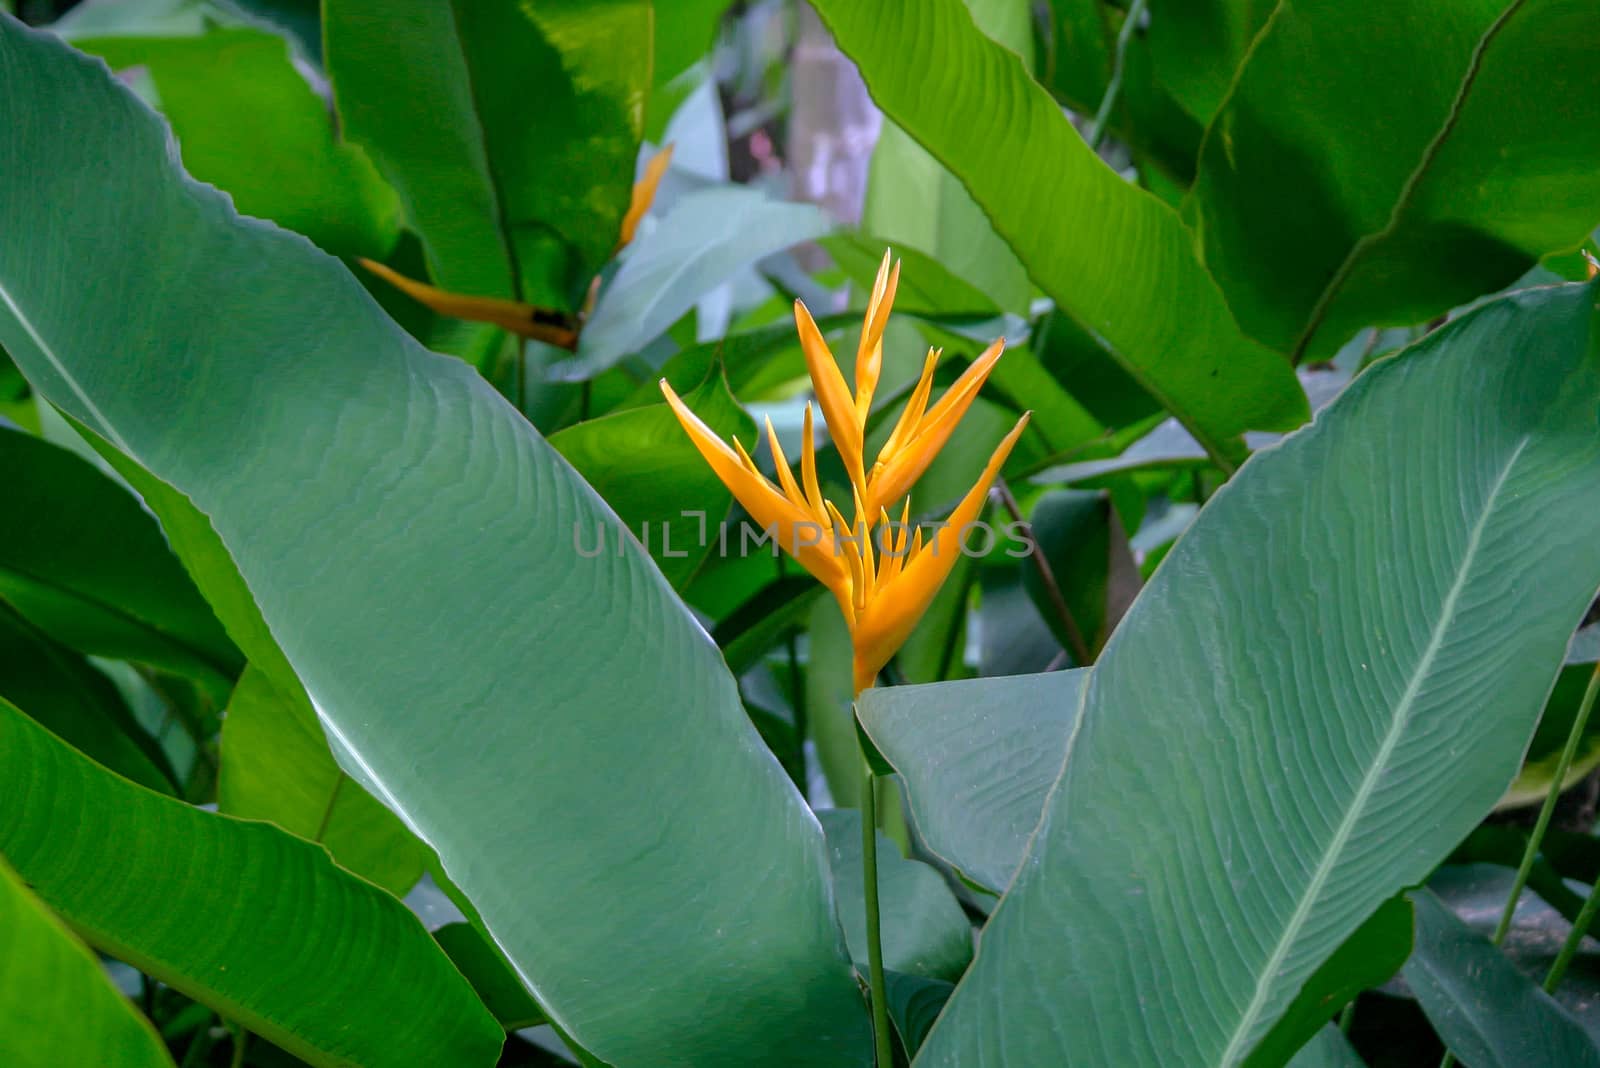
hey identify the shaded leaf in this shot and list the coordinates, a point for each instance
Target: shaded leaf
(1488, 1013)
(1354, 178)
(82, 560)
(925, 933)
(387, 994)
(510, 200)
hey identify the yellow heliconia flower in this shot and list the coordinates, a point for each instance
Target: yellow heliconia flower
(530, 320)
(884, 582)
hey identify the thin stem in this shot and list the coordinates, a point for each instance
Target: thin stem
(519, 378)
(1531, 853)
(1097, 132)
(200, 1044)
(241, 1039)
(1569, 948)
(869, 887)
(1075, 642)
(1535, 839)
(1347, 1017)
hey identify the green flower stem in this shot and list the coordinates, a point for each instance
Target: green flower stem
(1102, 116)
(1531, 853)
(869, 885)
(1569, 949)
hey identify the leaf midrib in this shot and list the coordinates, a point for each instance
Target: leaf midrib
(1330, 292)
(1399, 720)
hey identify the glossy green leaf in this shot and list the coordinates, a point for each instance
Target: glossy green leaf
(912, 200)
(276, 767)
(1368, 958)
(57, 1007)
(1488, 1013)
(78, 704)
(82, 560)
(1289, 732)
(927, 286)
(969, 101)
(977, 757)
(510, 199)
(459, 667)
(248, 122)
(649, 471)
(502, 992)
(1197, 48)
(1354, 177)
(389, 996)
(925, 933)
(703, 241)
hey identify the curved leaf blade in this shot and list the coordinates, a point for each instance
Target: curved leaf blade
(1487, 1012)
(323, 432)
(163, 886)
(56, 1004)
(969, 101)
(510, 200)
(83, 561)
(977, 757)
(1354, 178)
(1289, 735)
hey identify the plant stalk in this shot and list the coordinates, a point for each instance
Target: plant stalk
(883, 1046)
(1102, 116)
(1531, 853)
(1542, 824)
(1076, 643)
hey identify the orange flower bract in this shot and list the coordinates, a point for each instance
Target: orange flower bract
(883, 574)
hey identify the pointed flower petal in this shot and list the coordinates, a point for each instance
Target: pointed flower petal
(524, 320)
(644, 194)
(891, 615)
(838, 407)
(900, 472)
(797, 533)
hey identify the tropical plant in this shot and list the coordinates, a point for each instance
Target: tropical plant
(412, 652)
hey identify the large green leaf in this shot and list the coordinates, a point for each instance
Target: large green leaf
(703, 241)
(81, 559)
(913, 200)
(977, 758)
(536, 717)
(276, 767)
(1487, 1012)
(1385, 169)
(1197, 48)
(233, 913)
(248, 122)
(57, 1007)
(1328, 1049)
(648, 469)
(925, 933)
(1118, 260)
(78, 704)
(509, 130)
(1250, 751)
